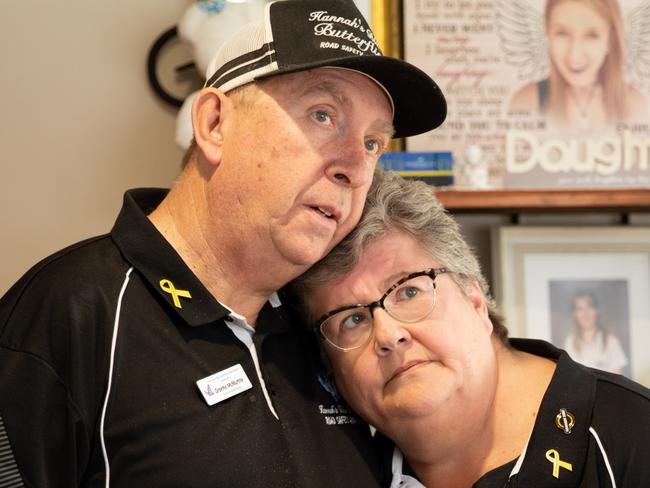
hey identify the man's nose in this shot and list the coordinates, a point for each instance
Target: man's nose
(352, 165)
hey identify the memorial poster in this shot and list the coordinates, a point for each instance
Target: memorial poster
(545, 94)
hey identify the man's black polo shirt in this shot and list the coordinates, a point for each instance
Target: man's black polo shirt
(106, 339)
(608, 446)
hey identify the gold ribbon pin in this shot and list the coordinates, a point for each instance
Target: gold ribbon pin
(553, 456)
(565, 421)
(168, 287)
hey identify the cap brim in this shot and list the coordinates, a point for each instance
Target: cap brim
(419, 103)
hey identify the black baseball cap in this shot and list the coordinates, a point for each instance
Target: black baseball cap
(297, 35)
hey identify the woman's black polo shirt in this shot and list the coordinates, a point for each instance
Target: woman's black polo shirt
(607, 447)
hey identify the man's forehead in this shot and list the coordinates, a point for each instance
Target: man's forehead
(307, 78)
(335, 82)
(335, 76)
(353, 76)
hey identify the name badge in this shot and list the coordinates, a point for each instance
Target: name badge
(224, 384)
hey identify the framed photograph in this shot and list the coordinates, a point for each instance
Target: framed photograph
(584, 289)
(514, 103)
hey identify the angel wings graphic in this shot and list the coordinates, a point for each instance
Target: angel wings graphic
(522, 34)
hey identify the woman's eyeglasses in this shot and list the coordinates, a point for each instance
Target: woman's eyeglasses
(409, 300)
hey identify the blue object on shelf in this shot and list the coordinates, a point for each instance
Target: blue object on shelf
(435, 168)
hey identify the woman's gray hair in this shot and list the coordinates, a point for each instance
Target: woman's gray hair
(397, 204)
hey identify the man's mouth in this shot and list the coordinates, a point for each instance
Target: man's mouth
(329, 214)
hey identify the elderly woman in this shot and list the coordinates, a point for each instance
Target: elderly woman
(416, 347)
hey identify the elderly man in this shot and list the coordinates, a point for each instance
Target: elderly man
(160, 354)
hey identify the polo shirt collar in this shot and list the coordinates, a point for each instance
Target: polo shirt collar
(570, 389)
(152, 256)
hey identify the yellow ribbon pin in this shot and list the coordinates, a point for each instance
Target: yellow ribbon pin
(168, 287)
(553, 456)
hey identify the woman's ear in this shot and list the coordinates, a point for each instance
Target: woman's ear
(477, 299)
(209, 110)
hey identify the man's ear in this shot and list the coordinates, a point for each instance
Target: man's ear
(208, 113)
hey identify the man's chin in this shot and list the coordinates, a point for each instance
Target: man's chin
(306, 255)
(304, 249)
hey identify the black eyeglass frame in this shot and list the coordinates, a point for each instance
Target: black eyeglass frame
(316, 327)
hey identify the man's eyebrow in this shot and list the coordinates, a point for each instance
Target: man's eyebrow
(387, 128)
(327, 88)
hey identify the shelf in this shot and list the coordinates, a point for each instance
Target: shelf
(516, 201)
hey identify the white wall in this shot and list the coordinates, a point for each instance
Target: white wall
(79, 124)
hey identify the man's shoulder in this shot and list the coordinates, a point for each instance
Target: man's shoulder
(67, 265)
(63, 283)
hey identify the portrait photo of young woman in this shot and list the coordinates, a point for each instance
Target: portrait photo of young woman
(586, 87)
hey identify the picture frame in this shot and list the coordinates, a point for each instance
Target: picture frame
(386, 23)
(543, 275)
(495, 62)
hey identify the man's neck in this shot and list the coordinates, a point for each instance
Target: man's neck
(236, 278)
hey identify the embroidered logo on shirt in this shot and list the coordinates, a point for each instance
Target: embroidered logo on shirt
(553, 456)
(337, 415)
(168, 287)
(334, 414)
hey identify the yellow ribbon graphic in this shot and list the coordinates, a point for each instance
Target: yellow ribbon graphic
(168, 287)
(553, 456)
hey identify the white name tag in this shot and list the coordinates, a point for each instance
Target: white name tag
(224, 384)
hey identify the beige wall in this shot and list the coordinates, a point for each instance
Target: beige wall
(79, 122)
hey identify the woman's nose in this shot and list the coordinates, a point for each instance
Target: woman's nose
(576, 53)
(390, 333)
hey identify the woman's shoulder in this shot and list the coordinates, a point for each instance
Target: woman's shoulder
(637, 104)
(620, 424)
(615, 392)
(634, 94)
(568, 342)
(526, 98)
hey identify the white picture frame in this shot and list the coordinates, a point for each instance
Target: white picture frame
(538, 270)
